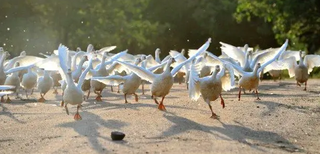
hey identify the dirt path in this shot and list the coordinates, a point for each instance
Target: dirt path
(285, 120)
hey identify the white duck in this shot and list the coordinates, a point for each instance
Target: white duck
(162, 83)
(45, 83)
(13, 80)
(209, 87)
(73, 93)
(246, 58)
(78, 68)
(102, 71)
(3, 56)
(275, 68)
(6, 90)
(179, 57)
(56, 78)
(29, 80)
(303, 69)
(130, 82)
(250, 80)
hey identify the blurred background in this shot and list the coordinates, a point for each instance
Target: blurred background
(144, 25)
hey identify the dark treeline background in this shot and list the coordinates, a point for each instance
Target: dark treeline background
(143, 25)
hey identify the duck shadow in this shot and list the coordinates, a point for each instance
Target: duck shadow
(89, 126)
(231, 132)
(272, 106)
(5, 112)
(133, 106)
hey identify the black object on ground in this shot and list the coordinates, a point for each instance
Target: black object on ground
(117, 136)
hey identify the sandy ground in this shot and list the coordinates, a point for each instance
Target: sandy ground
(285, 120)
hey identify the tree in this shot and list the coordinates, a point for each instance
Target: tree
(296, 20)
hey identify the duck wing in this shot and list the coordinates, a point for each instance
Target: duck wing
(233, 52)
(112, 80)
(143, 73)
(278, 53)
(194, 84)
(84, 74)
(202, 49)
(311, 61)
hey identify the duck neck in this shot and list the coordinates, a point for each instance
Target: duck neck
(80, 65)
(29, 71)
(103, 64)
(167, 68)
(3, 57)
(301, 61)
(214, 74)
(69, 80)
(46, 74)
(74, 61)
(157, 57)
(255, 70)
(246, 61)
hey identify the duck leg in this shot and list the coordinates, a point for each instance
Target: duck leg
(213, 116)
(118, 89)
(88, 94)
(257, 93)
(98, 98)
(62, 103)
(305, 86)
(111, 88)
(32, 91)
(239, 95)
(125, 98)
(55, 90)
(222, 102)
(77, 115)
(66, 107)
(2, 99)
(41, 99)
(142, 86)
(8, 99)
(161, 106)
(155, 99)
(27, 94)
(298, 84)
(136, 97)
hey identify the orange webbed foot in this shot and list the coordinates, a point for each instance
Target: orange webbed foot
(214, 116)
(55, 92)
(8, 100)
(161, 107)
(77, 116)
(98, 99)
(62, 103)
(41, 100)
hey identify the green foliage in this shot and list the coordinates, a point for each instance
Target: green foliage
(294, 19)
(143, 25)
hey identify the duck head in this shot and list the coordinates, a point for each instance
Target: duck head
(217, 69)
(183, 52)
(158, 51)
(23, 53)
(69, 72)
(90, 48)
(137, 61)
(143, 57)
(85, 57)
(17, 64)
